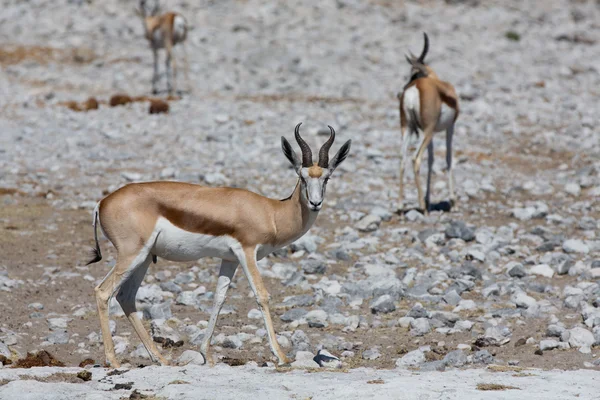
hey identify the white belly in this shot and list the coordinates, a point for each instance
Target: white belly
(446, 119)
(176, 244)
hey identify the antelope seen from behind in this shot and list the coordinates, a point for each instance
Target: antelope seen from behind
(184, 222)
(163, 31)
(427, 105)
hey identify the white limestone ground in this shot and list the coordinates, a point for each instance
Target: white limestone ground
(251, 382)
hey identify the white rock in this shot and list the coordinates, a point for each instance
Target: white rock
(316, 318)
(549, 344)
(191, 357)
(368, 223)
(542, 270)
(573, 189)
(411, 359)
(581, 338)
(254, 314)
(575, 246)
(523, 300)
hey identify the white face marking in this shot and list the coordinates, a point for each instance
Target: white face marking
(314, 188)
(176, 244)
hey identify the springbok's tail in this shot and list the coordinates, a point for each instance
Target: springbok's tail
(97, 255)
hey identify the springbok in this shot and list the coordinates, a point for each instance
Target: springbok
(163, 31)
(184, 222)
(429, 105)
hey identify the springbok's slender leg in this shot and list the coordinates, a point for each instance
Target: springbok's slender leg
(103, 294)
(247, 259)
(226, 273)
(449, 134)
(169, 49)
(430, 156)
(127, 290)
(155, 77)
(403, 152)
(427, 137)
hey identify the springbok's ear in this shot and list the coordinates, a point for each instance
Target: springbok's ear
(290, 154)
(340, 156)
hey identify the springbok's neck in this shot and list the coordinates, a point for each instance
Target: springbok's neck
(293, 218)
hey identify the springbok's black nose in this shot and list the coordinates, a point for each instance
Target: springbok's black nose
(312, 203)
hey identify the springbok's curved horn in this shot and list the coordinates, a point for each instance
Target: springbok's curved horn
(306, 152)
(421, 58)
(324, 152)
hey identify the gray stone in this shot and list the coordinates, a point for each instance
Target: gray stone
(455, 359)
(517, 271)
(254, 314)
(411, 359)
(5, 351)
(382, 213)
(417, 311)
(555, 330)
(438, 365)
(36, 306)
(446, 318)
(149, 294)
(575, 246)
(300, 340)
(414, 215)
(171, 286)
(303, 300)
(523, 300)
(452, 298)
(164, 334)
(491, 290)
(307, 243)
(232, 342)
(59, 337)
(184, 277)
(58, 324)
(317, 319)
(420, 326)
(483, 357)
(542, 270)
(294, 314)
(383, 304)
(564, 266)
(573, 189)
(371, 354)
(312, 266)
(459, 230)
(548, 344)
(581, 338)
(187, 298)
(368, 223)
(158, 311)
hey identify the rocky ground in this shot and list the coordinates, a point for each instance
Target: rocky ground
(509, 277)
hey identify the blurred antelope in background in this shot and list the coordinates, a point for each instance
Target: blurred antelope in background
(184, 222)
(163, 31)
(427, 105)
